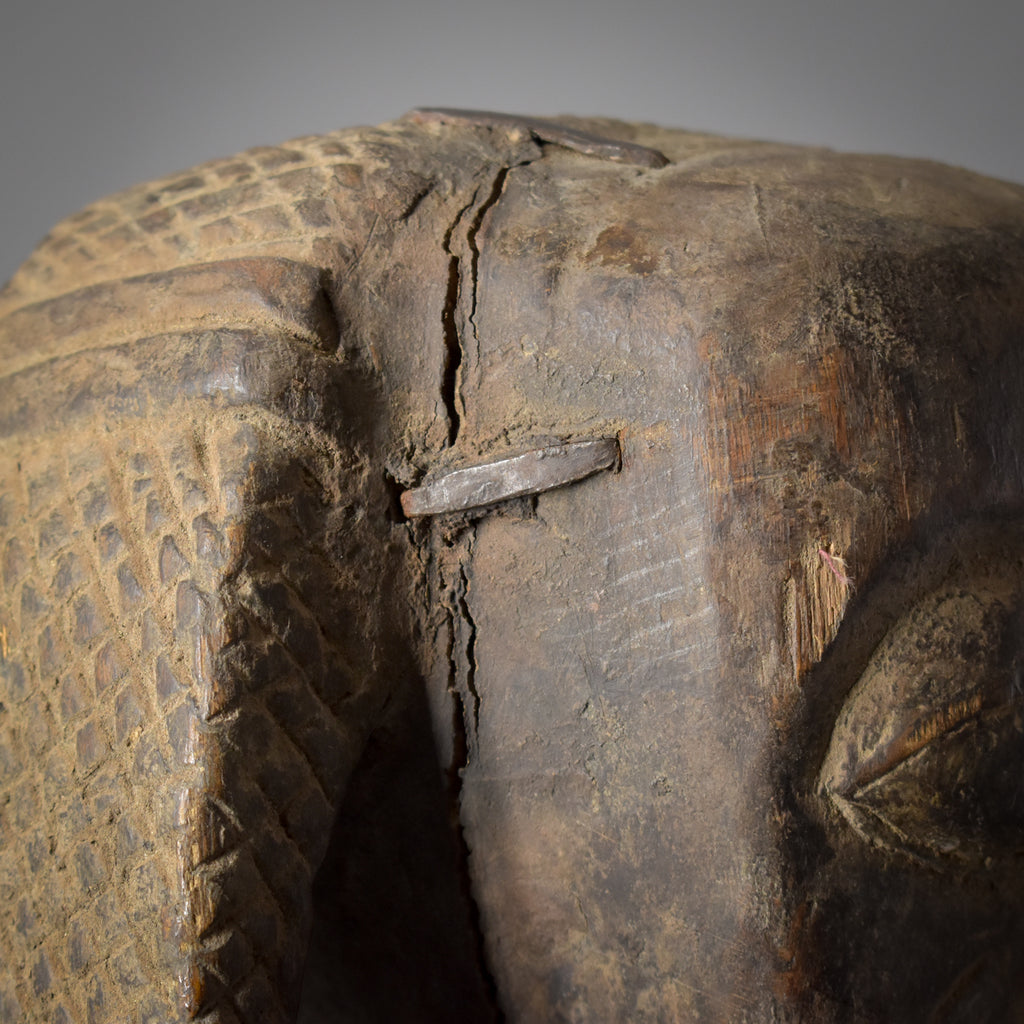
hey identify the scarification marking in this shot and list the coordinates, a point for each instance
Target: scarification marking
(295, 745)
(77, 543)
(268, 633)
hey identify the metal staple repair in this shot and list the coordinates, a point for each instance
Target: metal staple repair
(545, 130)
(532, 472)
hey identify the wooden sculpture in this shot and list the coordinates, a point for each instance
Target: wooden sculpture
(615, 533)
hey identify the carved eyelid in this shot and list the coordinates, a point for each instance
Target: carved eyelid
(933, 719)
(918, 735)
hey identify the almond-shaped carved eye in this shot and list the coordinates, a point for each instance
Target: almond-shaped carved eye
(927, 755)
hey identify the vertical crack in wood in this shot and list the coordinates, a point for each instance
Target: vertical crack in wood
(459, 325)
(497, 187)
(470, 645)
(462, 667)
(462, 292)
(450, 327)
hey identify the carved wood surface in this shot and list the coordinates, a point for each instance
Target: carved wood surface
(730, 723)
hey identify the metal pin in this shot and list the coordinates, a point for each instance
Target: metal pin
(511, 477)
(545, 130)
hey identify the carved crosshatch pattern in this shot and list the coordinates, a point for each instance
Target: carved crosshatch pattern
(173, 693)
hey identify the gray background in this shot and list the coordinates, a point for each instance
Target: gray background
(98, 94)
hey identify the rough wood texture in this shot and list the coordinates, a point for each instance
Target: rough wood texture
(732, 732)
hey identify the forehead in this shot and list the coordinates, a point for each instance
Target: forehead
(801, 323)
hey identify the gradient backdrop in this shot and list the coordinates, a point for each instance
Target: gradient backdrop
(98, 94)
